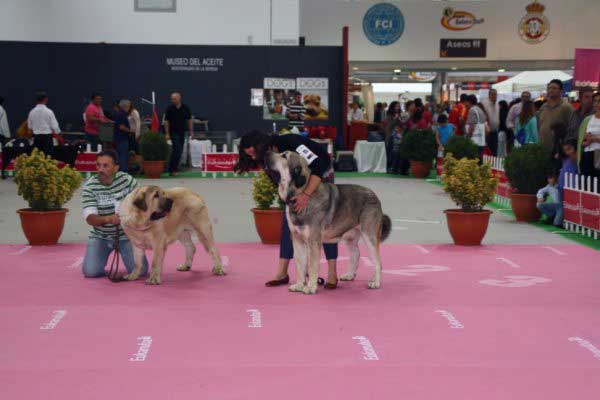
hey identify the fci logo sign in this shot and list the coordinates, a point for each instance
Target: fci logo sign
(383, 24)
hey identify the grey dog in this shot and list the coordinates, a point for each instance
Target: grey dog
(334, 212)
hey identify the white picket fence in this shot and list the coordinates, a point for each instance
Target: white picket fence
(581, 205)
(502, 195)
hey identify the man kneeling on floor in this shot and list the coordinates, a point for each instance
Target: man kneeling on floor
(100, 197)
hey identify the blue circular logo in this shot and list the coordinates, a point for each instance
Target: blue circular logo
(383, 24)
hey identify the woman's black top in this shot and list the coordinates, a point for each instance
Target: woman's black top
(314, 153)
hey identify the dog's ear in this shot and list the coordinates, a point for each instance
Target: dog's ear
(297, 177)
(140, 202)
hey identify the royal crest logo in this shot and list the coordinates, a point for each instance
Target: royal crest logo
(383, 24)
(534, 26)
(459, 20)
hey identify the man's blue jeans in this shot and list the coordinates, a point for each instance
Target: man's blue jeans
(97, 252)
(552, 211)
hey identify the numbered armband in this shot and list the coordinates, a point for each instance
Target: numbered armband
(306, 153)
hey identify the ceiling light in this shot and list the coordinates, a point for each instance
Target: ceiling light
(397, 71)
(355, 68)
(501, 70)
(394, 78)
(454, 68)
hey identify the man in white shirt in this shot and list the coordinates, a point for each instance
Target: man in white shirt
(511, 119)
(492, 109)
(4, 128)
(42, 123)
(356, 113)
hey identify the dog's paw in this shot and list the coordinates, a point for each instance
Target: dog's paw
(184, 268)
(153, 280)
(310, 289)
(131, 277)
(297, 287)
(218, 270)
(374, 285)
(348, 276)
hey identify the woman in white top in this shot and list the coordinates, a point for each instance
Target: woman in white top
(590, 159)
(476, 123)
(135, 123)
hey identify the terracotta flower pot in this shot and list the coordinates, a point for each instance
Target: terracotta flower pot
(268, 224)
(467, 228)
(42, 227)
(420, 169)
(524, 207)
(153, 169)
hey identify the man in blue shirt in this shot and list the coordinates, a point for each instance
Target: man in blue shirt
(121, 134)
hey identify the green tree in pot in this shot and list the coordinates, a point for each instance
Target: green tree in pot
(155, 152)
(526, 167)
(420, 148)
(461, 147)
(267, 218)
(471, 186)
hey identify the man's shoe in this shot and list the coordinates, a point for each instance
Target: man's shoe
(278, 282)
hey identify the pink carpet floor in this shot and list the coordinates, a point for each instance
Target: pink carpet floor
(496, 322)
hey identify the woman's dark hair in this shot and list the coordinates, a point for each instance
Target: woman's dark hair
(442, 119)
(418, 115)
(391, 108)
(527, 112)
(419, 102)
(258, 140)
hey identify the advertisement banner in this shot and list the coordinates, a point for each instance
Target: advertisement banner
(571, 201)
(86, 162)
(219, 162)
(590, 210)
(587, 68)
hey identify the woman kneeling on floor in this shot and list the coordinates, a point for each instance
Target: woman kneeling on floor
(253, 148)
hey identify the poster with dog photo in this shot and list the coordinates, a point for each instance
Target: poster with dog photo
(315, 96)
(277, 94)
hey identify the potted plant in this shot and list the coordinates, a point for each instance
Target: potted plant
(461, 147)
(471, 186)
(45, 187)
(525, 168)
(154, 150)
(420, 148)
(267, 218)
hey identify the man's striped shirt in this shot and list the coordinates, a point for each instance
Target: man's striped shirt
(102, 200)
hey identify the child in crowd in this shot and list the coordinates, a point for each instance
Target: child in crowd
(398, 164)
(553, 209)
(443, 131)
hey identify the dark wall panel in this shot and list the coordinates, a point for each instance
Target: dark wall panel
(69, 72)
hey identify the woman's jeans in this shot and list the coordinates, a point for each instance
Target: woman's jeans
(97, 252)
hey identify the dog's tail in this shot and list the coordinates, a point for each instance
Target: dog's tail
(386, 227)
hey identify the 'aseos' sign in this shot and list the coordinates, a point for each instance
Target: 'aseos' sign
(194, 64)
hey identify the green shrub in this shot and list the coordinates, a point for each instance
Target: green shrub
(419, 146)
(154, 147)
(264, 192)
(461, 147)
(526, 168)
(470, 185)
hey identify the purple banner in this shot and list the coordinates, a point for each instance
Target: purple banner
(587, 68)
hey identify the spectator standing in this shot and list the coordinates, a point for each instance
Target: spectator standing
(492, 109)
(553, 111)
(458, 114)
(178, 117)
(586, 108)
(356, 113)
(526, 130)
(513, 113)
(393, 115)
(378, 116)
(476, 123)
(296, 112)
(94, 116)
(589, 139)
(42, 124)
(4, 127)
(443, 131)
(122, 132)
(135, 123)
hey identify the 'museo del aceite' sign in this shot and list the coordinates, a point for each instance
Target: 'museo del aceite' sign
(194, 64)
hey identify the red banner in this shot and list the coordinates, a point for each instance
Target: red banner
(590, 210)
(85, 162)
(587, 68)
(571, 201)
(219, 162)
